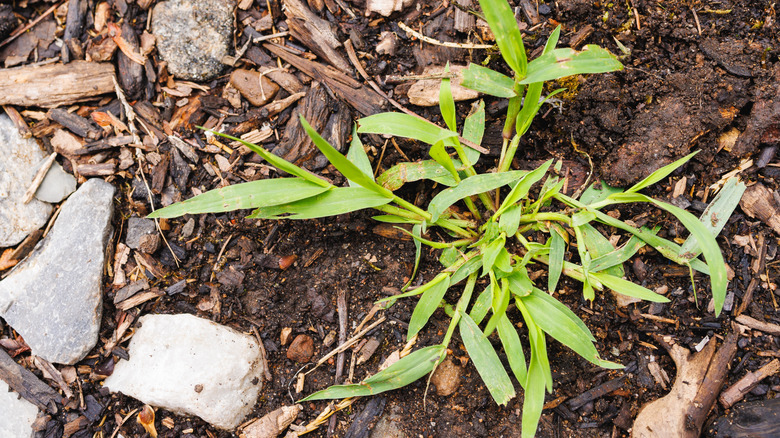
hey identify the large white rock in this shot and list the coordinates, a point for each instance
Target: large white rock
(191, 366)
(18, 160)
(16, 414)
(54, 297)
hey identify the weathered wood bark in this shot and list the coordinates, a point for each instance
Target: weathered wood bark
(131, 73)
(759, 202)
(76, 124)
(315, 33)
(27, 385)
(54, 85)
(363, 99)
(77, 11)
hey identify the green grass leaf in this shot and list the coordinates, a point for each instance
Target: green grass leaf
(393, 219)
(597, 192)
(560, 63)
(490, 252)
(278, 162)
(404, 125)
(446, 102)
(523, 186)
(440, 155)
(557, 251)
(509, 221)
(396, 176)
(625, 287)
(471, 266)
(502, 22)
(486, 361)
(597, 246)
(487, 81)
(513, 349)
(716, 214)
(469, 187)
(397, 375)
(357, 155)
(340, 162)
(336, 201)
(618, 256)
(254, 194)
(533, 399)
(428, 304)
(482, 305)
(474, 130)
(660, 174)
(706, 240)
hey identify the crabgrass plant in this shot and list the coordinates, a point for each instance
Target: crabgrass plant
(479, 258)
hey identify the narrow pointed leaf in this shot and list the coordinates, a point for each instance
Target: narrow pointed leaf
(429, 302)
(486, 361)
(625, 287)
(397, 375)
(357, 155)
(336, 201)
(564, 62)
(660, 174)
(502, 22)
(252, 194)
(396, 176)
(522, 188)
(404, 125)
(487, 81)
(469, 187)
(513, 348)
(482, 305)
(340, 162)
(446, 102)
(557, 251)
(717, 213)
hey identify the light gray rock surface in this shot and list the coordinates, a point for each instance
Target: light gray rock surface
(56, 186)
(193, 36)
(142, 234)
(191, 366)
(18, 160)
(53, 298)
(16, 414)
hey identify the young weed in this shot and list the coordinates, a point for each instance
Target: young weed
(480, 238)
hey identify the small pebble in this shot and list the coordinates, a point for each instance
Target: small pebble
(544, 9)
(446, 378)
(301, 349)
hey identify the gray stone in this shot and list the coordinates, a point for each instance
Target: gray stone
(193, 36)
(191, 366)
(56, 186)
(142, 235)
(17, 414)
(18, 160)
(53, 298)
(389, 425)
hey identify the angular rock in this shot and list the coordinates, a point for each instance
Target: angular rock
(142, 235)
(18, 158)
(53, 298)
(426, 92)
(191, 366)
(193, 36)
(255, 87)
(17, 414)
(56, 186)
(386, 7)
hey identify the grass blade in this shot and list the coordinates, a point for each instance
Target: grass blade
(707, 243)
(357, 155)
(597, 246)
(428, 304)
(660, 174)
(524, 186)
(446, 102)
(628, 288)
(396, 176)
(254, 194)
(333, 202)
(488, 81)
(340, 162)
(486, 361)
(597, 192)
(564, 62)
(502, 22)
(469, 187)
(404, 125)
(557, 251)
(618, 256)
(533, 399)
(474, 130)
(481, 307)
(716, 214)
(513, 348)
(278, 162)
(397, 375)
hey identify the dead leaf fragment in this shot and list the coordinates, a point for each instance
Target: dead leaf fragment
(272, 424)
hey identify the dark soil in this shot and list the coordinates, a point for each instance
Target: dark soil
(682, 88)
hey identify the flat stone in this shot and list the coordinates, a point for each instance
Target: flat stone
(17, 416)
(56, 186)
(388, 425)
(142, 235)
(18, 160)
(54, 298)
(255, 87)
(425, 92)
(386, 7)
(193, 36)
(191, 366)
